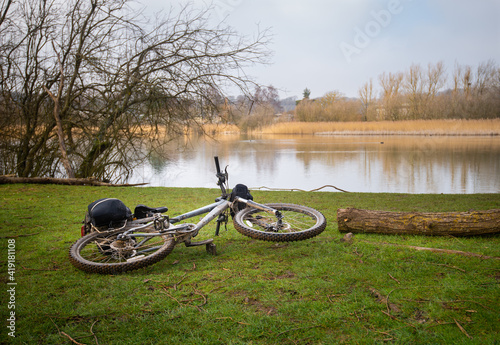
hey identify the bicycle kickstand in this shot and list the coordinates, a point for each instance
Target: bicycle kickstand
(222, 219)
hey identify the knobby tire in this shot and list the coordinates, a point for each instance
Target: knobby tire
(301, 222)
(88, 243)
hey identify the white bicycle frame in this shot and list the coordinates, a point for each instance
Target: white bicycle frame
(185, 231)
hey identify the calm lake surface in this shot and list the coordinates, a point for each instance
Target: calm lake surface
(395, 164)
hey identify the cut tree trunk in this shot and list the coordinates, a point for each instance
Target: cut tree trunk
(471, 223)
(63, 181)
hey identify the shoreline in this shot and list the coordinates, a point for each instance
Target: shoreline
(424, 134)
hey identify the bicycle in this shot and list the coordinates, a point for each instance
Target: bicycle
(145, 241)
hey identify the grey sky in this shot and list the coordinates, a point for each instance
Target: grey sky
(341, 44)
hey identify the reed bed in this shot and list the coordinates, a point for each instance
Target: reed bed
(220, 128)
(413, 127)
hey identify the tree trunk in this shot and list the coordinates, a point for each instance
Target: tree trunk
(60, 133)
(62, 181)
(415, 223)
(62, 145)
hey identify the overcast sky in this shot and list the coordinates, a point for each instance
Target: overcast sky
(328, 45)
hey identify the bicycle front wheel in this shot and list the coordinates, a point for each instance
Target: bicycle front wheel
(103, 252)
(298, 223)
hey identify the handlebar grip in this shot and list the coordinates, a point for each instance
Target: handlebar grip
(217, 166)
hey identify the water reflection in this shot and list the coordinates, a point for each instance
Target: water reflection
(403, 164)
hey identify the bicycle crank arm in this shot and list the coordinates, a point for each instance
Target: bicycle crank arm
(209, 245)
(188, 243)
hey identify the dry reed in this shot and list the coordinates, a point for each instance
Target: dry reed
(213, 129)
(413, 127)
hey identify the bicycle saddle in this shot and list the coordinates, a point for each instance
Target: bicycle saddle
(143, 211)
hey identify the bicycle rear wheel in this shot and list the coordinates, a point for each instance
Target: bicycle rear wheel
(102, 252)
(299, 223)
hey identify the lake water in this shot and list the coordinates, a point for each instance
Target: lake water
(395, 164)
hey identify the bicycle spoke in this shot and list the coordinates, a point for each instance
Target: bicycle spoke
(292, 221)
(296, 223)
(101, 249)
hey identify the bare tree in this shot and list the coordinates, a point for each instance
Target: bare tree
(115, 83)
(257, 110)
(27, 128)
(4, 9)
(436, 78)
(366, 97)
(421, 88)
(414, 88)
(475, 95)
(485, 77)
(391, 95)
(330, 98)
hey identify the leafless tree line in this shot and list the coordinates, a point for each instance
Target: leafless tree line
(255, 110)
(417, 93)
(87, 87)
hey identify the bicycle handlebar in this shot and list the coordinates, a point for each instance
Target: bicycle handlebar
(221, 176)
(217, 166)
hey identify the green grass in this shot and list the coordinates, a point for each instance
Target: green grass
(318, 291)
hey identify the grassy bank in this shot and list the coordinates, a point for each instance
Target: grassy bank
(319, 291)
(416, 127)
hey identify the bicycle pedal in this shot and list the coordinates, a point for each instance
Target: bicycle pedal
(211, 248)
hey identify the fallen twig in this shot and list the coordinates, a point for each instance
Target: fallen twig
(391, 316)
(335, 295)
(449, 266)
(436, 264)
(73, 340)
(397, 281)
(199, 307)
(177, 284)
(204, 299)
(469, 301)
(462, 329)
(172, 297)
(385, 300)
(301, 190)
(92, 332)
(436, 250)
(65, 334)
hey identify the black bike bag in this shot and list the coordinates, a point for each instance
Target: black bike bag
(242, 191)
(108, 212)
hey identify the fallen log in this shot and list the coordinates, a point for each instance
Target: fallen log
(471, 223)
(62, 181)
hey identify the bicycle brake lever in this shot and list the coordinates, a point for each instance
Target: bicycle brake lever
(226, 175)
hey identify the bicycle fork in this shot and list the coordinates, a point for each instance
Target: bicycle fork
(261, 207)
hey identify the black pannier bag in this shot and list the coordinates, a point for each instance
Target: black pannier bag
(242, 191)
(106, 213)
